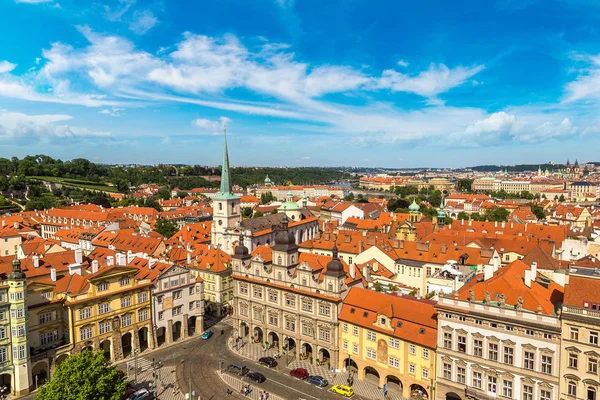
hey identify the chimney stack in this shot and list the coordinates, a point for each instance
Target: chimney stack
(36, 261)
(353, 271)
(94, 266)
(367, 272)
(528, 278)
(189, 258)
(110, 260)
(151, 263)
(533, 270)
(488, 272)
(53, 274)
(78, 256)
(130, 256)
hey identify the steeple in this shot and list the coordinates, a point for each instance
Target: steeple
(16, 272)
(225, 191)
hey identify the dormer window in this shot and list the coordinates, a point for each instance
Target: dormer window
(382, 321)
(102, 286)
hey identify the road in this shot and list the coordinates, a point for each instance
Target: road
(199, 359)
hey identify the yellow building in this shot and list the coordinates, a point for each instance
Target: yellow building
(389, 340)
(214, 267)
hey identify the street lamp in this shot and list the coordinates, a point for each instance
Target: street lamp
(3, 395)
(156, 366)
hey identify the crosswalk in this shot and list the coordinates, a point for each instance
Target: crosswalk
(142, 364)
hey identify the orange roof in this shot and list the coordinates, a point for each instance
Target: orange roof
(413, 320)
(582, 289)
(213, 260)
(249, 199)
(510, 282)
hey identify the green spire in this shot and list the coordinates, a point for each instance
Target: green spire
(225, 191)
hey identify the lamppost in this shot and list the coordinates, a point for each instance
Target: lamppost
(135, 364)
(156, 366)
(3, 395)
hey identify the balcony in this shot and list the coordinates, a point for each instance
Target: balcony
(478, 394)
(581, 311)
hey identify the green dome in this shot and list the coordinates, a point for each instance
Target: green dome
(289, 206)
(414, 207)
(267, 179)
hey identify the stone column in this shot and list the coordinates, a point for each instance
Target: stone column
(184, 326)
(136, 338)
(117, 346)
(169, 332)
(151, 337)
(199, 324)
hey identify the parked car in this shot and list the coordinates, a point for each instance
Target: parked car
(256, 377)
(128, 392)
(317, 380)
(343, 390)
(207, 334)
(299, 373)
(268, 361)
(142, 394)
(239, 369)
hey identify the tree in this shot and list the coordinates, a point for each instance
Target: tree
(463, 215)
(257, 214)
(84, 376)
(266, 197)
(378, 287)
(350, 197)
(464, 185)
(498, 214)
(163, 194)
(561, 198)
(246, 212)
(165, 227)
(538, 212)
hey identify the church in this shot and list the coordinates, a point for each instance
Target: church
(229, 229)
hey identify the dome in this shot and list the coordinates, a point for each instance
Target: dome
(285, 238)
(16, 272)
(335, 266)
(414, 207)
(267, 179)
(241, 251)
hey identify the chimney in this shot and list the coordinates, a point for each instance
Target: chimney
(110, 260)
(78, 256)
(121, 259)
(503, 224)
(353, 271)
(488, 272)
(16, 225)
(367, 272)
(462, 222)
(396, 244)
(444, 248)
(74, 269)
(36, 261)
(189, 258)
(151, 263)
(533, 270)
(495, 224)
(53, 274)
(496, 263)
(470, 223)
(326, 236)
(130, 256)
(528, 278)
(376, 266)
(361, 246)
(401, 244)
(94, 266)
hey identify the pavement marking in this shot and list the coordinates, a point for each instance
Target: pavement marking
(295, 390)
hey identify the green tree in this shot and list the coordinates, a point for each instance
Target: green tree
(435, 198)
(165, 227)
(462, 215)
(561, 198)
(246, 212)
(257, 214)
(497, 214)
(464, 185)
(350, 197)
(378, 287)
(84, 376)
(538, 212)
(266, 197)
(163, 194)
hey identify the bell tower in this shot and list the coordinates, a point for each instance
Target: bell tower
(226, 207)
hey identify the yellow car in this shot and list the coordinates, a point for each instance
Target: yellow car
(343, 390)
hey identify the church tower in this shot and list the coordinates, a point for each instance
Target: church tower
(19, 331)
(226, 207)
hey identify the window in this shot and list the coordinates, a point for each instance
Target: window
(85, 313)
(545, 394)
(85, 333)
(257, 292)
(47, 338)
(161, 315)
(104, 327)
(3, 354)
(528, 360)
(547, 335)
(192, 305)
(19, 352)
(393, 362)
(102, 286)
(371, 354)
(372, 336)
(324, 335)
(46, 317)
(509, 328)
(244, 309)
(324, 309)
(126, 320)
(176, 310)
(478, 348)
(345, 327)
(462, 344)
(18, 330)
(290, 301)
(447, 371)
(507, 389)
(594, 338)
(425, 353)
(103, 308)
(547, 364)
(574, 334)
(125, 302)
(411, 369)
(492, 381)
(382, 321)
(476, 382)
(345, 345)
(573, 358)
(176, 294)
(447, 340)
(143, 297)
(493, 351)
(273, 319)
(355, 348)
(412, 349)
(394, 343)
(592, 365)
(572, 389)
(478, 322)
(307, 305)
(461, 375)
(424, 373)
(493, 325)
(191, 291)
(307, 330)
(273, 297)
(529, 332)
(509, 355)
(124, 281)
(243, 288)
(2, 332)
(355, 330)
(143, 315)
(159, 299)
(527, 392)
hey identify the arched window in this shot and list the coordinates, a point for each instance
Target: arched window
(591, 393)
(293, 259)
(279, 260)
(572, 389)
(279, 276)
(220, 206)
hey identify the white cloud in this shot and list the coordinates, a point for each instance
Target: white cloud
(211, 125)
(402, 63)
(587, 84)
(430, 83)
(113, 112)
(16, 126)
(496, 122)
(142, 22)
(6, 66)
(116, 13)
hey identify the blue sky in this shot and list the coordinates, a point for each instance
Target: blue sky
(305, 82)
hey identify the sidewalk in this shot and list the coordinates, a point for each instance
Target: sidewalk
(367, 389)
(237, 383)
(166, 381)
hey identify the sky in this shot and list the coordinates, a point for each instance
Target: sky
(368, 83)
